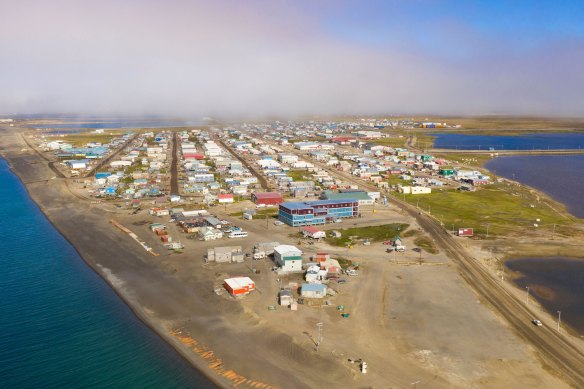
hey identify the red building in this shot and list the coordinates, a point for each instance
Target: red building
(267, 198)
(193, 155)
(239, 286)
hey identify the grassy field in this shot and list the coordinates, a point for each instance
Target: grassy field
(260, 213)
(501, 209)
(467, 159)
(373, 233)
(299, 175)
(391, 142)
(78, 140)
(426, 244)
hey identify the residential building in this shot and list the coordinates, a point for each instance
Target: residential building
(313, 232)
(313, 290)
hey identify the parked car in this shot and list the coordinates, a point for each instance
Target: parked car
(338, 220)
(537, 323)
(342, 281)
(278, 223)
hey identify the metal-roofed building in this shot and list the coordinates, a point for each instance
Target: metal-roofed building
(307, 213)
(360, 195)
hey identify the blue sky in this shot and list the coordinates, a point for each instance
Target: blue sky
(294, 57)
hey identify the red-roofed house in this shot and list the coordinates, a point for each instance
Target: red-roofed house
(225, 198)
(313, 232)
(267, 198)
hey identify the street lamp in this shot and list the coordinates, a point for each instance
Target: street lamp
(559, 318)
(319, 339)
(527, 296)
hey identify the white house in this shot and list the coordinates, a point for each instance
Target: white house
(288, 257)
(210, 233)
(313, 232)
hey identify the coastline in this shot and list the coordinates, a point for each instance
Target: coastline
(124, 297)
(180, 314)
(171, 309)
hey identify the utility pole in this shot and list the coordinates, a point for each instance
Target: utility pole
(488, 230)
(559, 318)
(527, 296)
(319, 339)
(554, 231)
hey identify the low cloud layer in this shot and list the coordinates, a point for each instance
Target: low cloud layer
(249, 59)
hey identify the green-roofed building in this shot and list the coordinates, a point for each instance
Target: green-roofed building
(360, 195)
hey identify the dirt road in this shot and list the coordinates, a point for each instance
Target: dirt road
(558, 351)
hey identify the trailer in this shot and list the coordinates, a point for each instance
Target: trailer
(465, 232)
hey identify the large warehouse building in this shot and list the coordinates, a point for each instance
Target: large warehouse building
(317, 212)
(267, 198)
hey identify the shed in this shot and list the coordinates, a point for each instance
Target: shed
(285, 297)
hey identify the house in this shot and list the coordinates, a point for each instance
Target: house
(239, 286)
(313, 232)
(210, 233)
(159, 212)
(225, 198)
(227, 254)
(267, 198)
(313, 290)
(288, 257)
(315, 274)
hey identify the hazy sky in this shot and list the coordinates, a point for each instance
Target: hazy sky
(252, 58)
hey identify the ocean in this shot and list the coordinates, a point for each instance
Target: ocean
(61, 325)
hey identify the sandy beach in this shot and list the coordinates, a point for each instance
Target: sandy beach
(428, 326)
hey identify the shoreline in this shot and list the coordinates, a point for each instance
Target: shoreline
(175, 311)
(149, 291)
(132, 305)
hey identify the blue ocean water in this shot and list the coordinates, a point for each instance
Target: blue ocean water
(549, 141)
(60, 324)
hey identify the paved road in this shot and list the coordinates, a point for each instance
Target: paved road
(174, 166)
(557, 350)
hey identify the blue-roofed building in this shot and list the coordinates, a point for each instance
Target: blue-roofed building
(306, 213)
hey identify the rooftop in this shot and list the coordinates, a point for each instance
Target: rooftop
(316, 203)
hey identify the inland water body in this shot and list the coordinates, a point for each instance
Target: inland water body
(557, 283)
(549, 141)
(61, 326)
